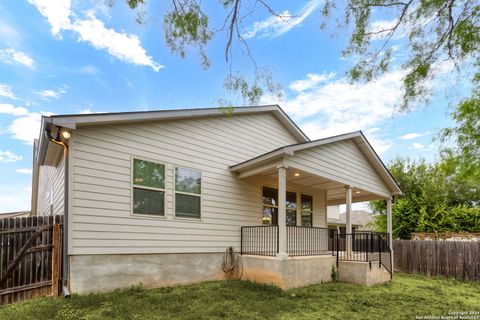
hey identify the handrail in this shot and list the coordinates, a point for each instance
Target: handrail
(301, 240)
(308, 241)
(259, 240)
(366, 247)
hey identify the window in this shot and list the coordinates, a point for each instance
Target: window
(306, 210)
(270, 207)
(188, 189)
(291, 206)
(148, 187)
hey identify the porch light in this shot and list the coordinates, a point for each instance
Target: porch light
(296, 174)
(65, 134)
(357, 192)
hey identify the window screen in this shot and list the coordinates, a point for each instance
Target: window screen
(188, 187)
(148, 187)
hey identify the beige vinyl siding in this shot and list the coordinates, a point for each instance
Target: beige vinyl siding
(101, 164)
(51, 189)
(343, 162)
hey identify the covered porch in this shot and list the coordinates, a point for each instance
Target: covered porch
(340, 170)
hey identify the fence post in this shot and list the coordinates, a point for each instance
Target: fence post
(55, 259)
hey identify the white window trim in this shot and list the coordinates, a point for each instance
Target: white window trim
(199, 219)
(297, 192)
(300, 205)
(133, 185)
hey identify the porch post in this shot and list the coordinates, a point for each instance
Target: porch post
(390, 229)
(348, 217)
(389, 221)
(282, 212)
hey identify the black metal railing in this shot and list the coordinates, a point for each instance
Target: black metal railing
(259, 240)
(308, 241)
(301, 241)
(365, 247)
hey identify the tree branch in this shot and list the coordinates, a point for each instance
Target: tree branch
(231, 28)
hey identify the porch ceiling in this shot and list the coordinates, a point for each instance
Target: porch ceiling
(336, 192)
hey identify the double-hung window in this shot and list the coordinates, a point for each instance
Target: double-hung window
(148, 187)
(188, 190)
(306, 210)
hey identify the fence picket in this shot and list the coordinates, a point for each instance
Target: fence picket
(27, 269)
(456, 259)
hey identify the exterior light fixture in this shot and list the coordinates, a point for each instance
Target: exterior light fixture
(296, 174)
(357, 192)
(65, 134)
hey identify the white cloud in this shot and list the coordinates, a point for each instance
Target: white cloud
(52, 94)
(379, 25)
(6, 91)
(15, 197)
(125, 47)
(338, 107)
(278, 25)
(24, 171)
(12, 56)
(120, 45)
(8, 156)
(57, 13)
(89, 111)
(418, 146)
(12, 110)
(376, 138)
(26, 128)
(414, 135)
(311, 81)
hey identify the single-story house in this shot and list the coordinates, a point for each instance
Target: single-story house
(156, 197)
(361, 220)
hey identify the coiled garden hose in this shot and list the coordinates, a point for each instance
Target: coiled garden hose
(229, 259)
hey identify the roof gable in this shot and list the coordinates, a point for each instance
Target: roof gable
(78, 120)
(357, 137)
(72, 121)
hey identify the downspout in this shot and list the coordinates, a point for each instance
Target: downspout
(65, 269)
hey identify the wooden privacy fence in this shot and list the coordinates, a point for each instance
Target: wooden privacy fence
(456, 259)
(30, 257)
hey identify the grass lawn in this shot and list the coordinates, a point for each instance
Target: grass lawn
(407, 297)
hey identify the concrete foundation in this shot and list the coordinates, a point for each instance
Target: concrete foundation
(361, 273)
(106, 272)
(287, 273)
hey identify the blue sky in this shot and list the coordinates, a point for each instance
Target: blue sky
(59, 57)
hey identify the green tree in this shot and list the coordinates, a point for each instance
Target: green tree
(435, 199)
(434, 31)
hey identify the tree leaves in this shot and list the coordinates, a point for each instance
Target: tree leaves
(187, 26)
(432, 31)
(437, 198)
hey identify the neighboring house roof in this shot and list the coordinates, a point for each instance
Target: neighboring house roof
(16, 214)
(74, 120)
(359, 218)
(357, 136)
